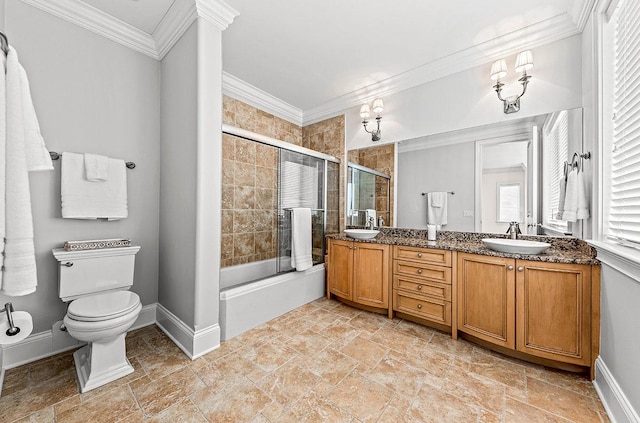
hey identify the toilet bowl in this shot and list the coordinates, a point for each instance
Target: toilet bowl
(101, 310)
(102, 320)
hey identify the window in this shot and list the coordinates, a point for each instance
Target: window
(622, 181)
(509, 203)
(555, 147)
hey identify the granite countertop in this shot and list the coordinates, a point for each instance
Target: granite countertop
(562, 250)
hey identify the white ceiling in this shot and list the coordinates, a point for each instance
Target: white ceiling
(313, 53)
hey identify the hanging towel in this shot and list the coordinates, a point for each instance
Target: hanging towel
(23, 150)
(301, 239)
(82, 199)
(561, 199)
(571, 197)
(437, 214)
(96, 167)
(582, 211)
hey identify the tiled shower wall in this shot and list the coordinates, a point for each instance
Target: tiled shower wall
(250, 175)
(380, 158)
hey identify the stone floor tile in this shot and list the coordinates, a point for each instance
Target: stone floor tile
(519, 412)
(238, 403)
(268, 356)
(475, 389)
(331, 365)
(184, 412)
(503, 371)
(434, 406)
(160, 394)
(363, 399)
(288, 384)
(562, 402)
(365, 351)
(314, 408)
(397, 376)
(111, 406)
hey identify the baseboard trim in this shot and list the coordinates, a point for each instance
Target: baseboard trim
(193, 343)
(615, 402)
(41, 345)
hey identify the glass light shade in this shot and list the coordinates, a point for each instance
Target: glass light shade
(378, 106)
(364, 111)
(498, 69)
(524, 61)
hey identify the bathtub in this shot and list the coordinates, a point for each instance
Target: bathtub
(244, 306)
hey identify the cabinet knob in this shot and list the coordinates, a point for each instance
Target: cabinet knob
(419, 254)
(355, 248)
(419, 306)
(520, 268)
(509, 267)
(419, 287)
(419, 270)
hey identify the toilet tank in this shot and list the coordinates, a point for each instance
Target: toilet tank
(89, 272)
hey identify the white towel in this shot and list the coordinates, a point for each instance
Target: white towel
(583, 200)
(19, 276)
(437, 215)
(96, 167)
(301, 239)
(571, 197)
(561, 199)
(82, 199)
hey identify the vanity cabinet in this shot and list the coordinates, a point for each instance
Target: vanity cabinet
(359, 272)
(538, 308)
(422, 284)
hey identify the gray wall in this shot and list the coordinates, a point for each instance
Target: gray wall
(446, 168)
(176, 288)
(91, 95)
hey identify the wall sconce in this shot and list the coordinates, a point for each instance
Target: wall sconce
(524, 62)
(377, 108)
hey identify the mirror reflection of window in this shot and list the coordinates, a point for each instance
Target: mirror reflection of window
(509, 203)
(555, 150)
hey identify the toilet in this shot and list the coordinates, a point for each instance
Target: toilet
(101, 310)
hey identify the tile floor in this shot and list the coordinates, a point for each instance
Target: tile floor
(321, 362)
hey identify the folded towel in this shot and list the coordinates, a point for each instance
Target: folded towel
(301, 239)
(437, 215)
(19, 276)
(582, 211)
(82, 199)
(571, 197)
(96, 167)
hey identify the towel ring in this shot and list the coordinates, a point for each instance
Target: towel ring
(56, 156)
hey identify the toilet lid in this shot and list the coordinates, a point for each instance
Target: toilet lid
(103, 306)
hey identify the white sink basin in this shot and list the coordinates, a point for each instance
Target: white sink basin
(361, 233)
(515, 246)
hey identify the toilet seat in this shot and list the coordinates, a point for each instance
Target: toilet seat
(108, 306)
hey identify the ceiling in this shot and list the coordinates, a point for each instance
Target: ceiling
(311, 53)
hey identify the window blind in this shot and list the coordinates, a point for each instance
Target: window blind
(555, 152)
(624, 207)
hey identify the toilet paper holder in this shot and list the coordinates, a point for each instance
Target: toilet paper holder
(13, 330)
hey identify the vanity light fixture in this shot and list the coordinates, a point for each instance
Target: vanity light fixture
(377, 108)
(524, 62)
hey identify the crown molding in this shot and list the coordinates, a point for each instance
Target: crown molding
(173, 25)
(247, 93)
(216, 12)
(580, 10)
(519, 129)
(538, 34)
(98, 22)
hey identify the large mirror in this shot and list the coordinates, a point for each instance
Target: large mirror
(491, 175)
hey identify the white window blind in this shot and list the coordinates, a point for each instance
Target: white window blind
(555, 153)
(624, 208)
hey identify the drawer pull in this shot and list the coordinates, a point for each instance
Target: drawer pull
(419, 287)
(419, 270)
(419, 306)
(419, 254)
(520, 268)
(509, 267)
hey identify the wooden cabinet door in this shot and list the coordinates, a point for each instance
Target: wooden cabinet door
(554, 311)
(340, 270)
(371, 274)
(486, 298)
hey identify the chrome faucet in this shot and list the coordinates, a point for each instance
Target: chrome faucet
(370, 223)
(514, 230)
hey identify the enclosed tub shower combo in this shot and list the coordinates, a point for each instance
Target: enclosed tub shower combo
(263, 180)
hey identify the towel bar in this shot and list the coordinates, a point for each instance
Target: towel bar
(55, 156)
(448, 192)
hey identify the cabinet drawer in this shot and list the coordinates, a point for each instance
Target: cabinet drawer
(423, 255)
(426, 308)
(422, 271)
(436, 290)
